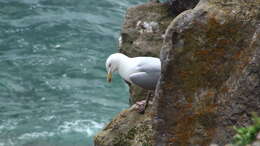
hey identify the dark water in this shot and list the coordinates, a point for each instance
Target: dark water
(53, 90)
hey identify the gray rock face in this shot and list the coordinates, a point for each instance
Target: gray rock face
(129, 128)
(210, 74)
(137, 39)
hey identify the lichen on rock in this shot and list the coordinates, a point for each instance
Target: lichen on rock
(210, 73)
(127, 129)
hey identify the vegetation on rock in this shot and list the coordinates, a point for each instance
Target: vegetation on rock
(246, 135)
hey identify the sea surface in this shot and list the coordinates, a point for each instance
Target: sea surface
(53, 89)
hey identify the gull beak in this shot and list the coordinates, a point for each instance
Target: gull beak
(109, 76)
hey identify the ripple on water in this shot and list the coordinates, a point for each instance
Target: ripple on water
(53, 89)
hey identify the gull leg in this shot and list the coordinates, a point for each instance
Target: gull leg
(142, 105)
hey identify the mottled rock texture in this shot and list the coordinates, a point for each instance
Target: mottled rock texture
(129, 128)
(210, 74)
(138, 43)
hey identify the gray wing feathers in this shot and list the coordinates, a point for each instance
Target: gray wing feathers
(149, 68)
(149, 65)
(145, 80)
(147, 73)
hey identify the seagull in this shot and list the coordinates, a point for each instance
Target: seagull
(141, 71)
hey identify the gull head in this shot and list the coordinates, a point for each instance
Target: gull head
(112, 64)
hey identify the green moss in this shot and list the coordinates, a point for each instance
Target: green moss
(131, 133)
(121, 140)
(141, 134)
(246, 135)
(146, 136)
(146, 144)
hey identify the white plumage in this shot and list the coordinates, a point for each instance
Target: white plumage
(142, 71)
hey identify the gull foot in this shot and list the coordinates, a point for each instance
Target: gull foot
(140, 106)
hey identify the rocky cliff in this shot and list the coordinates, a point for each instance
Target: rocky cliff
(210, 77)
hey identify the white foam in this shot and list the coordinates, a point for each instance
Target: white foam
(48, 118)
(87, 127)
(9, 125)
(7, 142)
(35, 135)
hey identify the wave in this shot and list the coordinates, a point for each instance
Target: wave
(87, 127)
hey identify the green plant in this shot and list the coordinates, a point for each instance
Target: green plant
(246, 135)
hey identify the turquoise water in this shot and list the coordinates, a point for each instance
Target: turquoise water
(53, 90)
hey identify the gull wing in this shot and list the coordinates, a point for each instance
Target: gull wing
(147, 76)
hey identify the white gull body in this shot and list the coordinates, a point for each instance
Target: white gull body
(141, 71)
